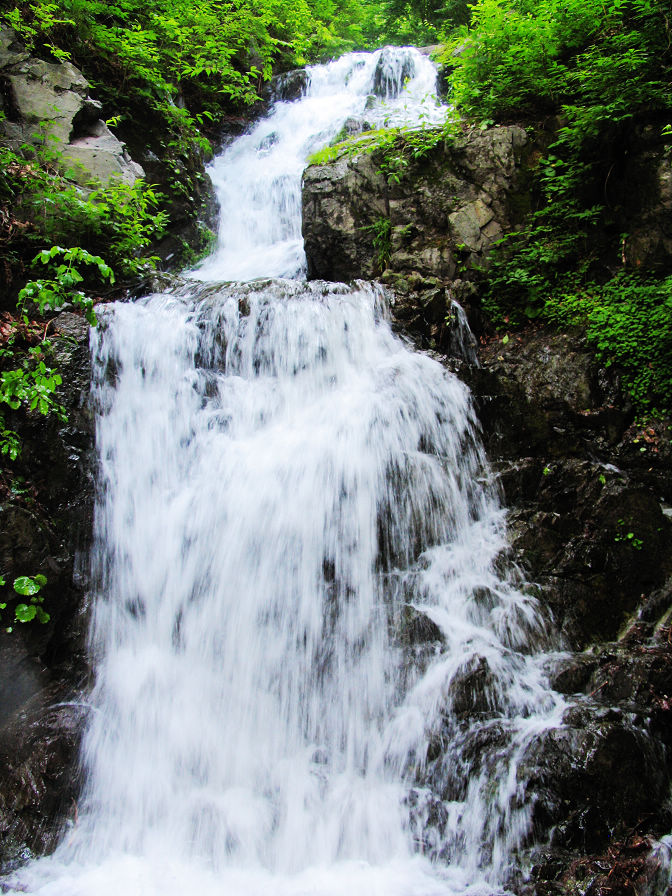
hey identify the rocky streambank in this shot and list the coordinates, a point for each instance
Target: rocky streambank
(588, 488)
(589, 494)
(46, 510)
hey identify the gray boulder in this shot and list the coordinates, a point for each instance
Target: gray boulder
(48, 104)
(444, 214)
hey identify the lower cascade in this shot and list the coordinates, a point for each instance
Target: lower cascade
(315, 671)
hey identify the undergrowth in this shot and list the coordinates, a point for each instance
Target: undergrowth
(600, 73)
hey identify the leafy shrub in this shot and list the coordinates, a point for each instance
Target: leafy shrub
(600, 68)
(629, 321)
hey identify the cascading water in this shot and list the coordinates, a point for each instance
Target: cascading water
(258, 179)
(312, 674)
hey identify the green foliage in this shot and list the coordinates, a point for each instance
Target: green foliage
(33, 384)
(26, 381)
(394, 148)
(209, 53)
(28, 586)
(418, 22)
(367, 142)
(407, 145)
(52, 294)
(626, 537)
(601, 68)
(117, 220)
(521, 56)
(39, 205)
(629, 321)
(382, 241)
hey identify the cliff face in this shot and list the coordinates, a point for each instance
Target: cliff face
(588, 489)
(444, 213)
(432, 227)
(45, 524)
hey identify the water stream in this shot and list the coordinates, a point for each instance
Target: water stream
(315, 672)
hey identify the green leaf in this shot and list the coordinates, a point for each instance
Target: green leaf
(25, 612)
(42, 616)
(26, 586)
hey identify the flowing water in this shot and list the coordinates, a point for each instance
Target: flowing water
(314, 672)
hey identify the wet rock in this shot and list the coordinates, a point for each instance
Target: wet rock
(543, 393)
(634, 865)
(45, 527)
(345, 225)
(474, 691)
(594, 778)
(288, 86)
(392, 72)
(600, 545)
(586, 521)
(417, 628)
(39, 778)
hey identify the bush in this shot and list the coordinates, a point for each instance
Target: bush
(601, 68)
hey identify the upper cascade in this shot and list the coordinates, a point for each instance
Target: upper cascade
(393, 70)
(258, 177)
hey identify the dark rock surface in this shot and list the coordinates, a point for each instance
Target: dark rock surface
(288, 86)
(45, 527)
(391, 73)
(589, 521)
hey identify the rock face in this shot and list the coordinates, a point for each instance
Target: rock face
(589, 521)
(45, 526)
(588, 489)
(288, 86)
(432, 228)
(48, 103)
(444, 214)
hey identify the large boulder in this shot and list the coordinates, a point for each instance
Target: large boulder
(443, 215)
(48, 104)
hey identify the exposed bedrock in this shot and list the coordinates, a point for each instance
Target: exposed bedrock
(45, 527)
(439, 221)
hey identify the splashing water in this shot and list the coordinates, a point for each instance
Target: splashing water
(312, 674)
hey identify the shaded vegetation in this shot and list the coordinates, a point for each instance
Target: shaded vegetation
(601, 72)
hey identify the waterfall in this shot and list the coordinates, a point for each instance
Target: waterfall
(258, 179)
(315, 672)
